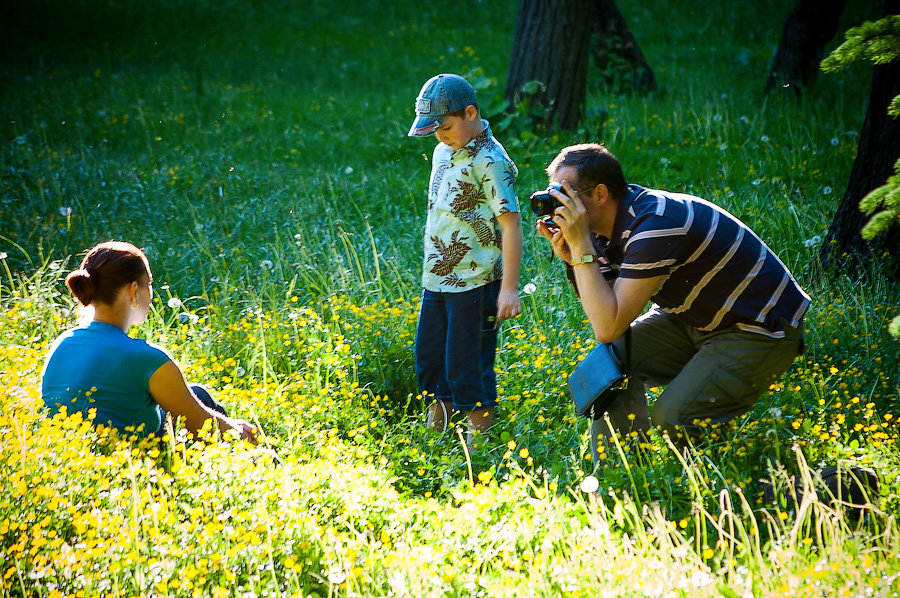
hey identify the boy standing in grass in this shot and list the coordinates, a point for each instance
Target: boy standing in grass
(473, 253)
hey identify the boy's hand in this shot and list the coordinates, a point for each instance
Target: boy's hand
(508, 305)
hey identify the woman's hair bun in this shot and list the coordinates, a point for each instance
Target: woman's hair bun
(80, 283)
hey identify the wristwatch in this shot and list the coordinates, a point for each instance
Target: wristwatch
(587, 258)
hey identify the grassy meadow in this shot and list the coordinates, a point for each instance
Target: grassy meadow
(257, 151)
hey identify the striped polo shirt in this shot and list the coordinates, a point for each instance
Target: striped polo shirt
(718, 273)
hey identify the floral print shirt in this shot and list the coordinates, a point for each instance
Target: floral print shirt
(468, 190)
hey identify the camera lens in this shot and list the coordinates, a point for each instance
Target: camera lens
(542, 203)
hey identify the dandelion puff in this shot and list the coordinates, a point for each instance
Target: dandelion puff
(239, 371)
(835, 141)
(812, 242)
(529, 288)
(756, 182)
(348, 170)
(266, 264)
(764, 139)
(590, 484)
(174, 303)
(3, 255)
(723, 147)
(65, 211)
(826, 190)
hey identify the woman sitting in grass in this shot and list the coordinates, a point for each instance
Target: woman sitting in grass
(130, 383)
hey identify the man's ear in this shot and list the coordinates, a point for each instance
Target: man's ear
(601, 194)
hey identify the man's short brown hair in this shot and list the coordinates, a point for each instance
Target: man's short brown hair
(595, 165)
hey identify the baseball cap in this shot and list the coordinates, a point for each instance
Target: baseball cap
(441, 95)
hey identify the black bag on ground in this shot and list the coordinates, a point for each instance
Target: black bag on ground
(598, 375)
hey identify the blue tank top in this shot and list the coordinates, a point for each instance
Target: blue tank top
(100, 367)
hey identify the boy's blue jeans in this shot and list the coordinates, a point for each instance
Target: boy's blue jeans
(456, 342)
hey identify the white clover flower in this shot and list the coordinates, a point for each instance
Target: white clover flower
(815, 240)
(65, 211)
(174, 303)
(266, 264)
(529, 288)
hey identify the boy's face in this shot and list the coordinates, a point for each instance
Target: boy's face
(457, 131)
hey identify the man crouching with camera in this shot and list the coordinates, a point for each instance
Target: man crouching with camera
(727, 315)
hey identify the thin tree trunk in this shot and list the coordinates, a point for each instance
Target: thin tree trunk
(807, 30)
(616, 52)
(551, 46)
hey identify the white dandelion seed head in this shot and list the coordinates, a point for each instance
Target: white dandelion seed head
(348, 170)
(174, 303)
(529, 288)
(65, 211)
(266, 264)
(590, 484)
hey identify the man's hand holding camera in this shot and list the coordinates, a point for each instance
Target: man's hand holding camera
(568, 231)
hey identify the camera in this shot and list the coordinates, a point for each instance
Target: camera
(542, 203)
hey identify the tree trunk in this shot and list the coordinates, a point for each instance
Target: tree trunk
(551, 47)
(616, 52)
(879, 147)
(807, 30)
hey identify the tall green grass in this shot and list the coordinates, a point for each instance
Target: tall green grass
(258, 151)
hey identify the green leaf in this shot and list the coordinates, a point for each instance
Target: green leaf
(727, 591)
(533, 87)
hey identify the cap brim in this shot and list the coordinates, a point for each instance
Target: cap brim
(424, 126)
